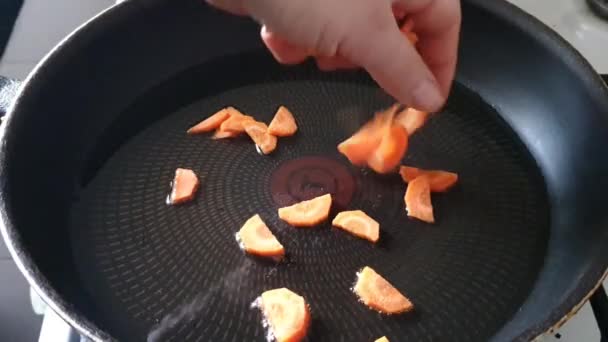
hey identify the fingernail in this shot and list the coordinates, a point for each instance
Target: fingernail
(426, 96)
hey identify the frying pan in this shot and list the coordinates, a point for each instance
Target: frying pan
(94, 135)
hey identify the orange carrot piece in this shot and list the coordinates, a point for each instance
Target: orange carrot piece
(378, 294)
(412, 37)
(391, 150)
(224, 135)
(407, 30)
(307, 213)
(359, 224)
(210, 123)
(439, 181)
(185, 185)
(283, 124)
(258, 132)
(366, 140)
(408, 25)
(411, 119)
(234, 112)
(256, 238)
(382, 339)
(360, 146)
(235, 123)
(287, 314)
(418, 199)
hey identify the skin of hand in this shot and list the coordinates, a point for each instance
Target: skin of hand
(365, 33)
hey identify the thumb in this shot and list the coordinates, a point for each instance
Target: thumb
(394, 63)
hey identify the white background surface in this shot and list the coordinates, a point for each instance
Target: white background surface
(42, 23)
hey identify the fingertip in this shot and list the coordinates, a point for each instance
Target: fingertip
(426, 96)
(283, 51)
(401, 73)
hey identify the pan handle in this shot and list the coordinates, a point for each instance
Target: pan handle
(599, 304)
(8, 91)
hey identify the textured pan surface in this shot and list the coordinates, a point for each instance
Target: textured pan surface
(154, 271)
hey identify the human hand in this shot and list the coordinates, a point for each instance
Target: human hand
(364, 33)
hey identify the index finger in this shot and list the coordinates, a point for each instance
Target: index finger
(437, 24)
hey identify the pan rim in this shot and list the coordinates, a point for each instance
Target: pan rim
(84, 326)
(593, 82)
(36, 280)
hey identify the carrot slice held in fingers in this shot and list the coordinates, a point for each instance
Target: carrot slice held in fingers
(184, 186)
(210, 123)
(258, 132)
(411, 119)
(418, 199)
(408, 25)
(307, 213)
(287, 314)
(407, 30)
(411, 36)
(378, 294)
(391, 150)
(361, 145)
(359, 224)
(439, 181)
(283, 124)
(256, 238)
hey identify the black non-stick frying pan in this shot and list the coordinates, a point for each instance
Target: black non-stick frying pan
(97, 130)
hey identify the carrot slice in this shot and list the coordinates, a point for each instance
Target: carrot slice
(307, 213)
(360, 146)
(411, 36)
(378, 294)
(210, 123)
(256, 238)
(223, 135)
(283, 124)
(366, 140)
(439, 181)
(382, 339)
(185, 185)
(408, 25)
(235, 123)
(391, 150)
(359, 224)
(234, 112)
(418, 199)
(411, 119)
(407, 30)
(287, 314)
(258, 132)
